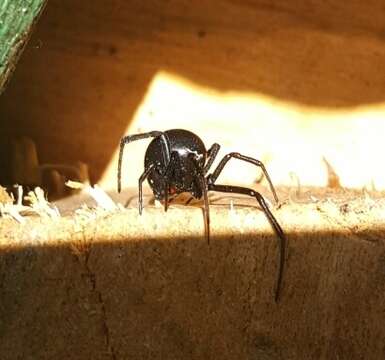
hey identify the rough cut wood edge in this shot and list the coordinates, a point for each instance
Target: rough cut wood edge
(154, 286)
(17, 18)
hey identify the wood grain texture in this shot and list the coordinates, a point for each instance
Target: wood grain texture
(122, 286)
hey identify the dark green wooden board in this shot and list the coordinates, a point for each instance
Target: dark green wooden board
(16, 21)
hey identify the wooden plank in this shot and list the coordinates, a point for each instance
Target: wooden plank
(16, 20)
(116, 285)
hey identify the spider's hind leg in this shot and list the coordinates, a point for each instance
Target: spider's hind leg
(273, 221)
(213, 177)
(211, 155)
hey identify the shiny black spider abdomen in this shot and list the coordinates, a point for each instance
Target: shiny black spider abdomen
(177, 161)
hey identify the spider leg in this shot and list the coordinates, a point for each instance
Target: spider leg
(140, 186)
(206, 209)
(174, 162)
(166, 187)
(211, 155)
(130, 138)
(213, 177)
(274, 223)
(191, 198)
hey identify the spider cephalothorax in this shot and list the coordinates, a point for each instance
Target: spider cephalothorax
(177, 161)
(187, 158)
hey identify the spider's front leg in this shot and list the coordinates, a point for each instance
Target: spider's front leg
(130, 138)
(140, 185)
(173, 163)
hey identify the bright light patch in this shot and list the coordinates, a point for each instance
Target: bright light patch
(289, 138)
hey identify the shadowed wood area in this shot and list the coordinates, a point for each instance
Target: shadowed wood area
(89, 65)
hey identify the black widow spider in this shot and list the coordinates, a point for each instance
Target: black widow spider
(176, 161)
